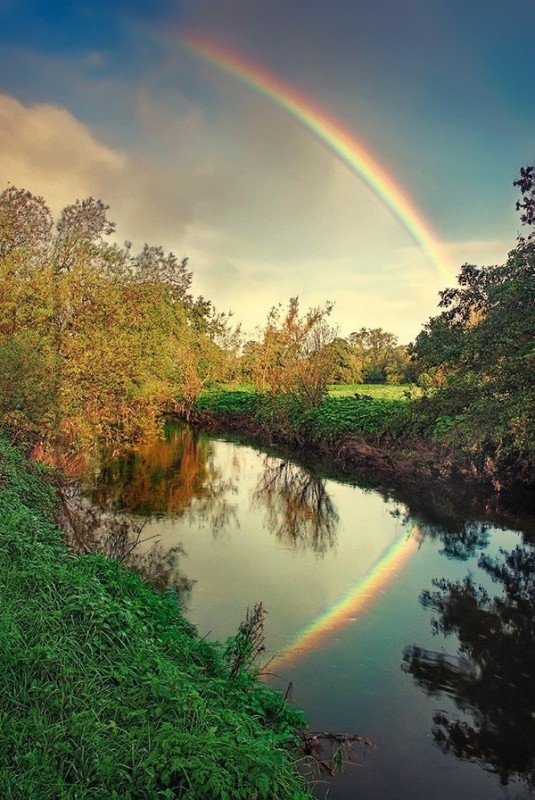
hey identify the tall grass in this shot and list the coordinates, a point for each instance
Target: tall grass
(106, 691)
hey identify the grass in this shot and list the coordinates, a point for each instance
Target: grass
(376, 418)
(375, 390)
(379, 391)
(380, 418)
(106, 691)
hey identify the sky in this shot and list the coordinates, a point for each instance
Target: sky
(435, 100)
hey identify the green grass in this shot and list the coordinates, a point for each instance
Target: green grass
(375, 390)
(106, 691)
(379, 418)
(376, 418)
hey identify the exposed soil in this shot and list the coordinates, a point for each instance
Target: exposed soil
(417, 470)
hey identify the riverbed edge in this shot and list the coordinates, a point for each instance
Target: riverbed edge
(417, 464)
(87, 720)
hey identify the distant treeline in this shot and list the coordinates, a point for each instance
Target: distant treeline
(97, 342)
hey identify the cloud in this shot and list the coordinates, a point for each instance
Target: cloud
(45, 149)
(263, 210)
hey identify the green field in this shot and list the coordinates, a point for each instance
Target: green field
(378, 391)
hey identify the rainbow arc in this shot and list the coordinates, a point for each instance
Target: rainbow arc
(342, 142)
(348, 607)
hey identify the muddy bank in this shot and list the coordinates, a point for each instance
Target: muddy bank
(417, 471)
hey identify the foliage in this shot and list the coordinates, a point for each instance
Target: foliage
(380, 418)
(247, 645)
(379, 391)
(372, 418)
(293, 356)
(222, 401)
(106, 690)
(526, 183)
(480, 349)
(98, 340)
(378, 357)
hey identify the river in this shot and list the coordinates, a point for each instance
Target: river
(415, 631)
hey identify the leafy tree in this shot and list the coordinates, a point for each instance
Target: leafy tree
(379, 356)
(346, 367)
(116, 337)
(152, 265)
(526, 184)
(294, 357)
(481, 349)
(25, 222)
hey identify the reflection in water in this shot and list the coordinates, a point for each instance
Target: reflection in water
(175, 475)
(344, 664)
(461, 539)
(353, 603)
(299, 510)
(491, 678)
(88, 529)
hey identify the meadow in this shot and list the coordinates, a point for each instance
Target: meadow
(379, 391)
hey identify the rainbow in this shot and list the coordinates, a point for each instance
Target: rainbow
(327, 129)
(354, 602)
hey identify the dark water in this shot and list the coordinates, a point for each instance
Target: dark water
(417, 634)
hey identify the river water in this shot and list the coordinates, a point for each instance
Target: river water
(416, 633)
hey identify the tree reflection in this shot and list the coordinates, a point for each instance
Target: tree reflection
(492, 678)
(175, 475)
(88, 529)
(461, 540)
(299, 510)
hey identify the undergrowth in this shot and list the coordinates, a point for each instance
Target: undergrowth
(377, 418)
(106, 691)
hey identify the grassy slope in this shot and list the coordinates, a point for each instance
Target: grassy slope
(106, 691)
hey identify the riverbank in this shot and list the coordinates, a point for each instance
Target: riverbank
(372, 439)
(107, 691)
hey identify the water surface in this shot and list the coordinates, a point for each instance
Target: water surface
(417, 634)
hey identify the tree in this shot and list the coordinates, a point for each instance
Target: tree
(481, 348)
(25, 222)
(80, 233)
(526, 184)
(101, 339)
(380, 358)
(294, 357)
(153, 265)
(346, 367)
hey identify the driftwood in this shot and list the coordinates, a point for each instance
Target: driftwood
(331, 752)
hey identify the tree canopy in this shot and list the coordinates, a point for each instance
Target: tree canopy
(96, 341)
